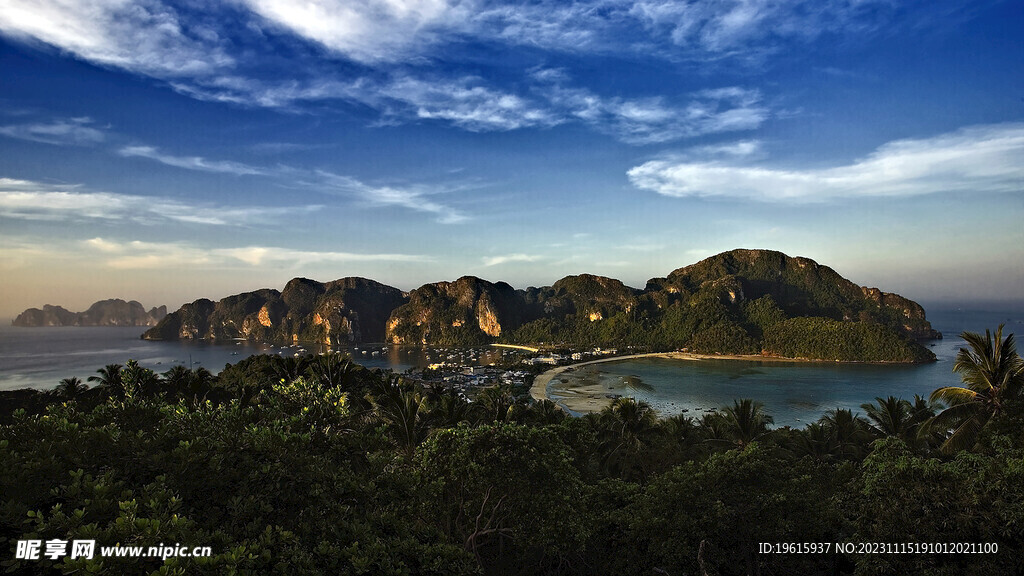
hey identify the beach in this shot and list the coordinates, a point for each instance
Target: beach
(594, 398)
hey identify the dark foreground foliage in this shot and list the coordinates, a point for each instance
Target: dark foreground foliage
(318, 466)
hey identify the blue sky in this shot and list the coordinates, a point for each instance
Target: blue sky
(166, 151)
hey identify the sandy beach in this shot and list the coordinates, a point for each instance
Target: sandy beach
(593, 399)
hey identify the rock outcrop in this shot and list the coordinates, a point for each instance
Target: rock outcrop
(113, 312)
(343, 311)
(801, 287)
(467, 311)
(734, 302)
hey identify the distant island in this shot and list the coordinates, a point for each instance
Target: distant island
(113, 312)
(738, 302)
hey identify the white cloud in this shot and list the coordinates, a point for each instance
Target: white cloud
(653, 120)
(979, 159)
(367, 31)
(28, 200)
(413, 198)
(137, 254)
(260, 255)
(191, 162)
(66, 131)
(467, 104)
(708, 30)
(496, 260)
(143, 36)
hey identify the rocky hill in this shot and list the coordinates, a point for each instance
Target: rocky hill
(467, 311)
(342, 311)
(739, 302)
(103, 313)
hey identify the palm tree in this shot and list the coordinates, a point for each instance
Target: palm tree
(851, 432)
(993, 373)
(109, 379)
(177, 379)
(628, 428)
(890, 416)
(545, 412)
(682, 438)
(448, 408)
(289, 369)
(404, 408)
(139, 380)
(815, 440)
(70, 387)
(331, 369)
(497, 402)
(745, 422)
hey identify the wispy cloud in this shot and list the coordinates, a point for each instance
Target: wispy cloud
(466, 103)
(979, 159)
(653, 120)
(192, 162)
(414, 198)
(138, 254)
(403, 66)
(504, 259)
(368, 31)
(142, 36)
(751, 29)
(28, 200)
(60, 131)
(260, 255)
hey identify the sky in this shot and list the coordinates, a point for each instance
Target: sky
(167, 151)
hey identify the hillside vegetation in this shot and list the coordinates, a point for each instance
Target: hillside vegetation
(737, 302)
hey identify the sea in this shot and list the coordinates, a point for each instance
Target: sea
(40, 357)
(793, 393)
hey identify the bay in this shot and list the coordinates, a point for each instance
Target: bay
(793, 393)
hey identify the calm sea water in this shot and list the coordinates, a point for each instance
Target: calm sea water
(793, 393)
(41, 357)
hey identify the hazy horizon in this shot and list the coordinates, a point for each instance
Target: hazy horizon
(164, 152)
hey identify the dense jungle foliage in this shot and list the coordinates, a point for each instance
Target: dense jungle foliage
(317, 466)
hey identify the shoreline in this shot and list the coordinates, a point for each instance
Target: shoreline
(539, 388)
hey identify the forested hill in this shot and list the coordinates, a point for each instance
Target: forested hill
(114, 312)
(737, 302)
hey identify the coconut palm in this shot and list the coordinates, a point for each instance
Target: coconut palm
(331, 369)
(545, 412)
(851, 432)
(448, 408)
(70, 387)
(993, 374)
(627, 428)
(890, 416)
(745, 422)
(139, 380)
(497, 402)
(682, 438)
(404, 409)
(815, 440)
(109, 379)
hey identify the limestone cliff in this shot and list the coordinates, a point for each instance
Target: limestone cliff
(741, 301)
(467, 311)
(342, 311)
(113, 312)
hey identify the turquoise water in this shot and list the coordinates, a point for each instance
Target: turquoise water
(793, 393)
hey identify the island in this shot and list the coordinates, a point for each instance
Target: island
(740, 302)
(113, 312)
